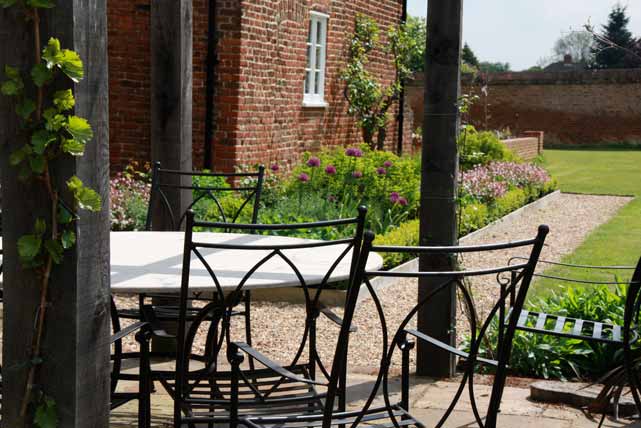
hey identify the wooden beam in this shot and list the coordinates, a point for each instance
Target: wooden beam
(171, 96)
(75, 370)
(439, 178)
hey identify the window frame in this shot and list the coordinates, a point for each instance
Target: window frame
(311, 96)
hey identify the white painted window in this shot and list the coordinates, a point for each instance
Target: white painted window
(316, 54)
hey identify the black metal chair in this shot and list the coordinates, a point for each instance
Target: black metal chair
(120, 359)
(599, 331)
(396, 414)
(202, 394)
(247, 186)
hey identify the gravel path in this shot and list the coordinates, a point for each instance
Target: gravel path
(570, 217)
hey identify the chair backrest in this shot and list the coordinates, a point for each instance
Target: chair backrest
(247, 186)
(439, 280)
(329, 259)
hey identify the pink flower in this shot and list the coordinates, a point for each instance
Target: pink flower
(388, 164)
(381, 171)
(394, 197)
(303, 178)
(313, 162)
(357, 174)
(274, 167)
(330, 169)
(402, 201)
(354, 152)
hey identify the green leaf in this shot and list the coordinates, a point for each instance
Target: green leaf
(68, 239)
(52, 53)
(10, 88)
(71, 65)
(43, 4)
(41, 139)
(25, 108)
(19, 155)
(41, 75)
(64, 100)
(73, 147)
(7, 3)
(64, 216)
(40, 227)
(29, 247)
(46, 415)
(79, 129)
(87, 198)
(53, 120)
(55, 250)
(37, 164)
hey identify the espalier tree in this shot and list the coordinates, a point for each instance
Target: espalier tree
(44, 101)
(369, 100)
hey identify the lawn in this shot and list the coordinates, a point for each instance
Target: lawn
(611, 172)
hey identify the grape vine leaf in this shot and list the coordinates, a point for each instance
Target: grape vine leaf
(87, 198)
(46, 415)
(7, 3)
(41, 139)
(64, 100)
(29, 247)
(25, 108)
(41, 74)
(43, 4)
(14, 84)
(71, 65)
(52, 53)
(68, 239)
(55, 250)
(79, 129)
(73, 147)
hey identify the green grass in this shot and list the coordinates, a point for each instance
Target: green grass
(617, 242)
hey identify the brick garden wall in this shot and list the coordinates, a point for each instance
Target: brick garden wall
(258, 110)
(577, 108)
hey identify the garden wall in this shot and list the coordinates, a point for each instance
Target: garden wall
(527, 148)
(259, 116)
(572, 108)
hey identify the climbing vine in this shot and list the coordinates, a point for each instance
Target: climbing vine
(44, 102)
(369, 100)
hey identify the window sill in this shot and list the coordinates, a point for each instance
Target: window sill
(315, 104)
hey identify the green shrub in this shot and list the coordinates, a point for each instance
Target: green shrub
(474, 216)
(510, 201)
(406, 235)
(481, 148)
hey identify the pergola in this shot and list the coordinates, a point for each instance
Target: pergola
(75, 368)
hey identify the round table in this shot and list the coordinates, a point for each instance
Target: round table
(151, 262)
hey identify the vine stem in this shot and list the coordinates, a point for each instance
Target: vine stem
(46, 274)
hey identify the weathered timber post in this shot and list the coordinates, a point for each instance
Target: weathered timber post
(75, 368)
(439, 178)
(171, 97)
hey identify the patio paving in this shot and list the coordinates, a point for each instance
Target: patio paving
(428, 400)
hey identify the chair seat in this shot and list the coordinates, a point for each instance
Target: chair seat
(574, 328)
(166, 313)
(262, 393)
(373, 418)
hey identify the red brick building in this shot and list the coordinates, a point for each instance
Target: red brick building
(277, 87)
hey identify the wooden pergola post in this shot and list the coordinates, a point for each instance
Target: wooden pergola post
(171, 96)
(438, 214)
(75, 367)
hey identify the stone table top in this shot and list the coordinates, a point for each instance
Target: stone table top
(151, 262)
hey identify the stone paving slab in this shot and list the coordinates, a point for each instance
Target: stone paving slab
(429, 398)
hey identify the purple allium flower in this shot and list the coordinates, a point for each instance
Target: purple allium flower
(354, 152)
(313, 162)
(274, 167)
(357, 174)
(330, 169)
(381, 171)
(394, 197)
(303, 178)
(388, 164)
(402, 201)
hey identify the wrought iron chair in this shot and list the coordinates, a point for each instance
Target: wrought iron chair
(246, 185)
(202, 395)
(599, 331)
(396, 414)
(120, 358)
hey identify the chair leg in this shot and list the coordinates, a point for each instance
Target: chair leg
(248, 326)
(144, 382)
(406, 348)
(235, 359)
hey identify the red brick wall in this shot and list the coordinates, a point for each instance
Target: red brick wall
(258, 112)
(578, 108)
(527, 148)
